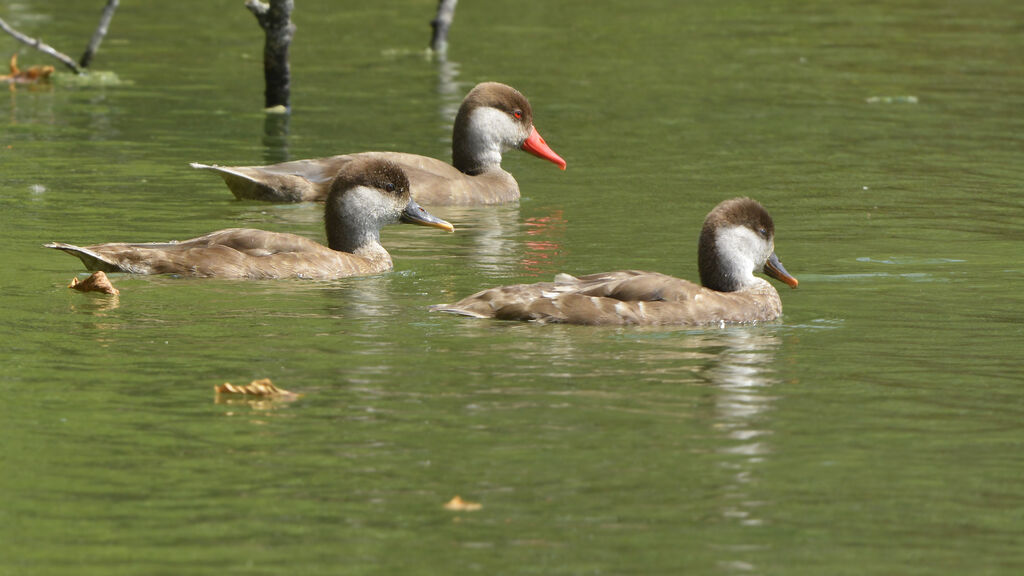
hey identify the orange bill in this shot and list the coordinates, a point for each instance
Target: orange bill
(536, 145)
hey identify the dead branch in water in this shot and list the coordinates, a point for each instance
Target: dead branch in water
(275, 19)
(441, 23)
(41, 46)
(101, 31)
(94, 43)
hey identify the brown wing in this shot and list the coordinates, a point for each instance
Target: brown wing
(635, 286)
(232, 253)
(432, 181)
(437, 183)
(623, 297)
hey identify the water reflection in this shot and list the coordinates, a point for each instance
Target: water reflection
(98, 305)
(492, 232)
(295, 218)
(742, 372)
(366, 297)
(39, 86)
(503, 245)
(275, 138)
(101, 308)
(543, 247)
(448, 86)
(39, 109)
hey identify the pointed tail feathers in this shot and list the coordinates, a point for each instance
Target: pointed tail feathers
(269, 187)
(455, 309)
(226, 172)
(214, 167)
(93, 261)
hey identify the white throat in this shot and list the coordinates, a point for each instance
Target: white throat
(491, 133)
(741, 251)
(358, 216)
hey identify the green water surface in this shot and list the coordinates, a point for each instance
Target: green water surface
(876, 428)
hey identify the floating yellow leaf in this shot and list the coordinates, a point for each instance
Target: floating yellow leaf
(32, 74)
(459, 505)
(98, 282)
(263, 387)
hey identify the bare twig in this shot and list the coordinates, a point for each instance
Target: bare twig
(441, 23)
(41, 46)
(101, 31)
(275, 19)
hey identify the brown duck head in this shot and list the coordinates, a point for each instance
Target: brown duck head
(367, 195)
(493, 119)
(738, 238)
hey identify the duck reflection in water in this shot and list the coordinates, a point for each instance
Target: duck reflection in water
(743, 374)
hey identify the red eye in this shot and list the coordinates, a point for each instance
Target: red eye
(518, 114)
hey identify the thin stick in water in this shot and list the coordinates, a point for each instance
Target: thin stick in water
(101, 31)
(41, 46)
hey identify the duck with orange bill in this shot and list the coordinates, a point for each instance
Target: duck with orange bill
(493, 119)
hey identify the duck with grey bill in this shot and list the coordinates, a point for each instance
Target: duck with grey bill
(366, 196)
(737, 239)
(493, 119)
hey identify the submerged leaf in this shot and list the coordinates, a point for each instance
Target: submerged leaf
(98, 282)
(95, 78)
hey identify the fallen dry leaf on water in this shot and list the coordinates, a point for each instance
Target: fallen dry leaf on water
(32, 74)
(262, 388)
(459, 505)
(98, 282)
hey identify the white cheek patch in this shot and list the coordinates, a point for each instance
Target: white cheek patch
(742, 251)
(365, 206)
(493, 132)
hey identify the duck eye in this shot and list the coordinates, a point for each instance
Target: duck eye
(518, 114)
(763, 232)
(389, 187)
